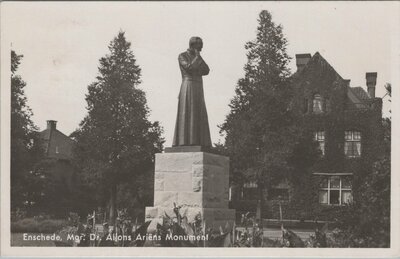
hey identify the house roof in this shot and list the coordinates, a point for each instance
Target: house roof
(45, 134)
(360, 92)
(356, 95)
(58, 145)
(317, 58)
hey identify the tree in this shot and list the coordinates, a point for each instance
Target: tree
(387, 122)
(260, 129)
(26, 148)
(116, 142)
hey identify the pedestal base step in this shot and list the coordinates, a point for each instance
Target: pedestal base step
(178, 149)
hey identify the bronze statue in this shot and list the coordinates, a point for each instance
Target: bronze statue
(191, 128)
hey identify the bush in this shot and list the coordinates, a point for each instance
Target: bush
(18, 214)
(32, 225)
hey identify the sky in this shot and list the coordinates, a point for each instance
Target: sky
(63, 41)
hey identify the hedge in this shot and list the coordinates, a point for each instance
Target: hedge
(32, 225)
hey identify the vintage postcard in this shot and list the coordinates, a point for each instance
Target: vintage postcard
(200, 128)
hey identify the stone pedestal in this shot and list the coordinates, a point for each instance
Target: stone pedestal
(197, 181)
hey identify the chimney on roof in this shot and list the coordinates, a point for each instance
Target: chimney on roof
(302, 60)
(371, 83)
(51, 124)
(347, 82)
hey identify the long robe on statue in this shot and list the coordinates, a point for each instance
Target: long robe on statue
(191, 128)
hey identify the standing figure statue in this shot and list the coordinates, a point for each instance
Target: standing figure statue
(191, 128)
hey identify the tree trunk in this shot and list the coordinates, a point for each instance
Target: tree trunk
(260, 204)
(113, 201)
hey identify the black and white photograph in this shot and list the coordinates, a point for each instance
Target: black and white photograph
(200, 128)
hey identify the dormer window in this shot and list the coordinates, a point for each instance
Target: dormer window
(317, 104)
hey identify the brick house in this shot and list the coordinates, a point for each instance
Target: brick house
(346, 123)
(57, 144)
(58, 154)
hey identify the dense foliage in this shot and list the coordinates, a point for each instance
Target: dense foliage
(116, 142)
(37, 225)
(269, 138)
(367, 221)
(26, 148)
(261, 131)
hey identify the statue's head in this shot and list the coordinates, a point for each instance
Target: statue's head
(196, 43)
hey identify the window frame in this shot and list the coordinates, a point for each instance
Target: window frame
(353, 141)
(248, 190)
(317, 98)
(320, 140)
(329, 189)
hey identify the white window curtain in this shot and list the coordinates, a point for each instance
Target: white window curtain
(323, 197)
(319, 136)
(357, 149)
(335, 190)
(347, 148)
(346, 197)
(352, 144)
(317, 104)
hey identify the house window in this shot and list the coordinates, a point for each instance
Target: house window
(56, 150)
(335, 190)
(235, 192)
(317, 104)
(352, 144)
(250, 191)
(319, 136)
